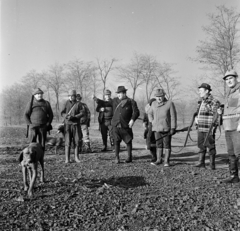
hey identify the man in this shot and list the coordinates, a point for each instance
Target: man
(105, 110)
(162, 114)
(148, 133)
(39, 116)
(73, 111)
(125, 112)
(207, 108)
(85, 124)
(231, 123)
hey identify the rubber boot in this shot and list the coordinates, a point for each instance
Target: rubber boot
(104, 147)
(233, 168)
(159, 156)
(80, 147)
(154, 154)
(67, 154)
(167, 157)
(88, 147)
(76, 154)
(212, 162)
(129, 150)
(201, 163)
(117, 150)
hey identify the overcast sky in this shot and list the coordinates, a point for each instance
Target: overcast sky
(38, 33)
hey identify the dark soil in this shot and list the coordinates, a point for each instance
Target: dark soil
(98, 194)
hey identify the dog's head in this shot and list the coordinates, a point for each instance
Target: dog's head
(29, 155)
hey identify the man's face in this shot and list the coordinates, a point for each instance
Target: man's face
(72, 97)
(203, 92)
(38, 96)
(107, 97)
(121, 95)
(231, 81)
(78, 98)
(159, 98)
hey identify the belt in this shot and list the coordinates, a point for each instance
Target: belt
(229, 116)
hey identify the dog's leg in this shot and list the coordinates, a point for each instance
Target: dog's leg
(42, 172)
(24, 171)
(33, 179)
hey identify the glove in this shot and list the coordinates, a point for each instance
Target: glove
(150, 126)
(173, 131)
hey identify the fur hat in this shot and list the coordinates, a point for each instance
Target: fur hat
(37, 91)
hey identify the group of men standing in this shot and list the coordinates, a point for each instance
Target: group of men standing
(117, 116)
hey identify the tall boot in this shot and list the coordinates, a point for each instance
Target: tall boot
(212, 162)
(159, 156)
(233, 168)
(76, 154)
(117, 150)
(201, 163)
(167, 157)
(129, 150)
(67, 154)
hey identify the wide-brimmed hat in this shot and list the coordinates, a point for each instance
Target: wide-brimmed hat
(230, 73)
(121, 89)
(206, 86)
(37, 91)
(107, 92)
(72, 92)
(159, 92)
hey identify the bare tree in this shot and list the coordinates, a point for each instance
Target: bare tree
(166, 79)
(220, 51)
(133, 72)
(78, 75)
(104, 69)
(55, 80)
(150, 67)
(32, 80)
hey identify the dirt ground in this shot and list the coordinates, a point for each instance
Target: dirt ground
(97, 194)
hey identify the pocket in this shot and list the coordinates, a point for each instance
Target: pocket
(233, 102)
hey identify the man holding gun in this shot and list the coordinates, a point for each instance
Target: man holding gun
(231, 123)
(206, 111)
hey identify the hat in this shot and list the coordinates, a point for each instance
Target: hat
(72, 92)
(206, 86)
(121, 89)
(159, 92)
(108, 92)
(37, 91)
(230, 73)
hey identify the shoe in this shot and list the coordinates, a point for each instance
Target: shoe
(232, 179)
(104, 149)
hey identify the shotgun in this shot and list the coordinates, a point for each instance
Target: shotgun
(190, 128)
(30, 111)
(213, 124)
(178, 130)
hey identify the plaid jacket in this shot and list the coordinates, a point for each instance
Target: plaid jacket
(206, 108)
